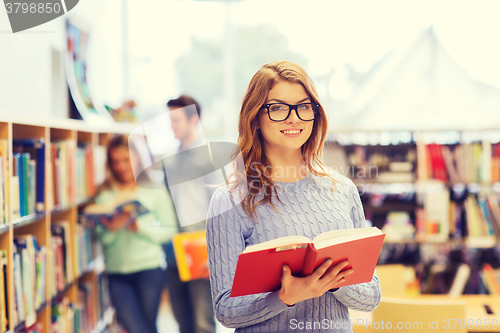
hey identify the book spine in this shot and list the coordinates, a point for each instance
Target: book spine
(26, 182)
(309, 260)
(20, 175)
(40, 179)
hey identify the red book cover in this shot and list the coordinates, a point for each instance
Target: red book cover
(261, 271)
(90, 171)
(437, 161)
(443, 174)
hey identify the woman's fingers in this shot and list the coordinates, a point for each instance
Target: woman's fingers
(334, 271)
(335, 284)
(318, 272)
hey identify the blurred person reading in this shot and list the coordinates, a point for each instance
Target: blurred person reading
(133, 253)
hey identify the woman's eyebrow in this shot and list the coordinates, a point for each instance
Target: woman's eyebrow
(280, 101)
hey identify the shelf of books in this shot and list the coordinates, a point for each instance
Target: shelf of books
(51, 277)
(435, 194)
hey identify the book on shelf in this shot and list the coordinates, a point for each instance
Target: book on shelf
(480, 232)
(83, 250)
(460, 280)
(477, 162)
(190, 249)
(35, 148)
(121, 205)
(61, 234)
(62, 172)
(491, 279)
(433, 220)
(259, 267)
(85, 292)
(66, 317)
(29, 278)
(5, 182)
(3, 292)
(85, 171)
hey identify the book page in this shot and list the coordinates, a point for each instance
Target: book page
(282, 241)
(342, 236)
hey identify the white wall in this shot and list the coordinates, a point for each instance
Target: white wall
(26, 61)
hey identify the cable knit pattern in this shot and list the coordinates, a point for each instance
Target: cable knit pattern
(308, 208)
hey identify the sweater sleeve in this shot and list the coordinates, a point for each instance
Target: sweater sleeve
(225, 241)
(362, 296)
(160, 225)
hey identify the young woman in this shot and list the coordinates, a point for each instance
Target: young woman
(282, 128)
(133, 253)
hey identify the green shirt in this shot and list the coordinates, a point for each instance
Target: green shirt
(129, 252)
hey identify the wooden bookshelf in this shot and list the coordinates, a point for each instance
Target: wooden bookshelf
(39, 224)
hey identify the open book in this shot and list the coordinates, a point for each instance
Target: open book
(259, 267)
(122, 205)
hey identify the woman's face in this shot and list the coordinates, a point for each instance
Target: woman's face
(121, 164)
(292, 133)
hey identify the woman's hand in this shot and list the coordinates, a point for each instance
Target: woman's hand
(116, 223)
(296, 289)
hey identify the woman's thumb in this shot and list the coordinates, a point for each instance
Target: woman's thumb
(286, 270)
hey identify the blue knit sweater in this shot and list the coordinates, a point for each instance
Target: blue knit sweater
(308, 208)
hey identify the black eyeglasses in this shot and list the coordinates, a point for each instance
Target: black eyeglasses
(281, 111)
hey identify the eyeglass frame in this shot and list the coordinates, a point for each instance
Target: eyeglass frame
(291, 107)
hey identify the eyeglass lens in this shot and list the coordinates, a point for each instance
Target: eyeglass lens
(279, 112)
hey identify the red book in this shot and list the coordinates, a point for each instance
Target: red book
(90, 170)
(437, 161)
(259, 267)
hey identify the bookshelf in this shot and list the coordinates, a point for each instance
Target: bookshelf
(443, 186)
(49, 215)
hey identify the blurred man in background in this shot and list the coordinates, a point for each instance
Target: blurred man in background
(191, 301)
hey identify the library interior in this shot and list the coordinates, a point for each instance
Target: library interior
(106, 227)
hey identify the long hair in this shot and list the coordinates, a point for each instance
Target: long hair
(253, 174)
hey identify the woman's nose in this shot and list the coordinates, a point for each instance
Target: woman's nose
(293, 118)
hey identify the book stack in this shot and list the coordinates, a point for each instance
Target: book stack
(62, 262)
(85, 171)
(29, 278)
(29, 173)
(63, 172)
